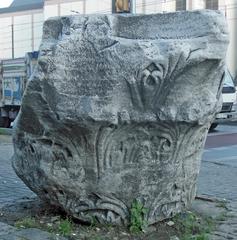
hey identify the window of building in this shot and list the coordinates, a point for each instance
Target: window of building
(152, 6)
(51, 11)
(5, 37)
(38, 19)
(22, 35)
(168, 6)
(140, 6)
(212, 4)
(181, 5)
(95, 6)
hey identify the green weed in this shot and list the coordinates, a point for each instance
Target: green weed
(27, 223)
(193, 227)
(137, 217)
(93, 222)
(65, 227)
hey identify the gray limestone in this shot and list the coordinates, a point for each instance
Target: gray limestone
(118, 109)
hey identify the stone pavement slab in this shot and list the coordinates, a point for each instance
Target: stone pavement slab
(207, 208)
(227, 228)
(6, 229)
(5, 139)
(11, 187)
(218, 174)
(225, 215)
(27, 234)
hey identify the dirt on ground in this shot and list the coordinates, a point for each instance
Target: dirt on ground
(33, 213)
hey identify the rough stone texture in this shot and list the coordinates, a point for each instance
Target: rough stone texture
(118, 109)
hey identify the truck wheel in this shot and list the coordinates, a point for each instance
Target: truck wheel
(1, 122)
(213, 126)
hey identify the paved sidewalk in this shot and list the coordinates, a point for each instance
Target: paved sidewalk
(225, 215)
(11, 187)
(228, 225)
(218, 175)
(8, 232)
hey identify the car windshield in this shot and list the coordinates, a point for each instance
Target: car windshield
(228, 82)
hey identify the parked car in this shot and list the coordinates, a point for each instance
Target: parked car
(228, 111)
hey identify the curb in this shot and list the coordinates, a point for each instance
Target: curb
(234, 123)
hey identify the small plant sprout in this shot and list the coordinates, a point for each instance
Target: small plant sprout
(137, 217)
(65, 227)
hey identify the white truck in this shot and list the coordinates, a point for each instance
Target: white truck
(14, 74)
(228, 111)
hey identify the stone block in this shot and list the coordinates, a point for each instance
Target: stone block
(118, 109)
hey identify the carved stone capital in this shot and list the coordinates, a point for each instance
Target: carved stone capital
(118, 109)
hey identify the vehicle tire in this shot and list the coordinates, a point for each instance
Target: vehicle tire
(213, 126)
(1, 122)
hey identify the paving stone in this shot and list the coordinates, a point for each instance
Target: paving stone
(30, 234)
(6, 229)
(219, 181)
(207, 208)
(227, 229)
(11, 187)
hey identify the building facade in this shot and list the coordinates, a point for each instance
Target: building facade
(21, 23)
(21, 28)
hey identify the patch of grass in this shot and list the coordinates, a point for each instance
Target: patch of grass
(193, 227)
(197, 237)
(109, 227)
(65, 227)
(137, 217)
(27, 223)
(93, 222)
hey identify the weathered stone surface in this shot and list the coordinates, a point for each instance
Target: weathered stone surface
(118, 109)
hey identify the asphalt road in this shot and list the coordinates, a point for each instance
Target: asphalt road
(218, 174)
(223, 135)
